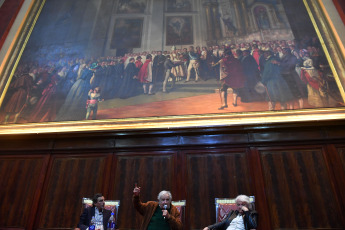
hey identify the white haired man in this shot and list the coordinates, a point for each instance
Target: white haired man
(159, 214)
(244, 218)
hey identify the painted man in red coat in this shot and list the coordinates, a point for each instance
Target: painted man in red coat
(231, 76)
(145, 75)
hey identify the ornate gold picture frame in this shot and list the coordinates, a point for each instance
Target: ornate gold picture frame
(229, 24)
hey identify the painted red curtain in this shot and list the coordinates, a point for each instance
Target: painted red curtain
(8, 13)
(340, 5)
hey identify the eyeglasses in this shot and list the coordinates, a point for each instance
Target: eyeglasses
(100, 201)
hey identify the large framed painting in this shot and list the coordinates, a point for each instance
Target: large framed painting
(179, 30)
(87, 65)
(179, 6)
(127, 33)
(131, 6)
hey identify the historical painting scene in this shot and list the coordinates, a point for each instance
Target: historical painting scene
(114, 59)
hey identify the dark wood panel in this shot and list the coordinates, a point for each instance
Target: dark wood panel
(78, 143)
(259, 184)
(341, 152)
(335, 133)
(70, 178)
(306, 134)
(19, 187)
(216, 139)
(337, 164)
(337, 175)
(152, 171)
(214, 174)
(299, 190)
(26, 144)
(147, 141)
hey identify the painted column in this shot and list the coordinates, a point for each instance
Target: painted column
(156, 25)
(215, 20)
(238, 18)
(245, 17)
(210, 31)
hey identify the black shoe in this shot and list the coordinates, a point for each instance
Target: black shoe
(223, 107)
(234, 104)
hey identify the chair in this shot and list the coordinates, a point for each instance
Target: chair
(225, 205)
(112, 205)
(181, 206)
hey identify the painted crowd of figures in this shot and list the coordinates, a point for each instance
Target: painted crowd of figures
(284, 72)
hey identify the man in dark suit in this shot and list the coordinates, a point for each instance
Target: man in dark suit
(97, 210)
(158, 67)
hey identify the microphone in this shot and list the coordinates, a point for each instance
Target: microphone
(165, 207)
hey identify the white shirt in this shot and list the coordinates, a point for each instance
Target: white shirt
(99, 218)
(236, 223)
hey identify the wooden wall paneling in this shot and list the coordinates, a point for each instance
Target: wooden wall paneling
(277, 136)
(202, 137)
(71, 177)
(153, 171)
(341, 152)
(27, 145)
(299, 188)
(214, 173)
(110, 175)
(264, 221)
(39, 189)
(336, 165)
(20, 186)
(82, 142)
(179, 178)
(180, 185)
(207, 139)
(334, 134)
(146, 141)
